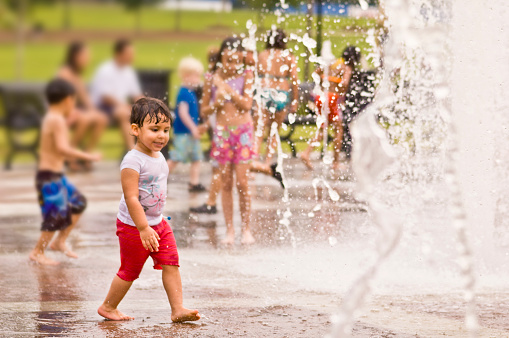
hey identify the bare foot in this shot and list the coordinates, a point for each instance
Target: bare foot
(230, 239)
(114, 314)
(42, 259)
(62, 247)
(307, 162)
(185, 315)
(247, 238)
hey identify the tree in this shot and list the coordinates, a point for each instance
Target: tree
(20, 8)
(136, 6)
(66, 19)
(267, 5)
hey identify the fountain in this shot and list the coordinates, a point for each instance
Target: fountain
(427, 92)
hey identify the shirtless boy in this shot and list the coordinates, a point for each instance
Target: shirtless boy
(61, 203)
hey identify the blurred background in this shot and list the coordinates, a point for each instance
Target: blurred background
(34, 35)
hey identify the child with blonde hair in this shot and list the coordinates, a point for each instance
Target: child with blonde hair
(187, 131)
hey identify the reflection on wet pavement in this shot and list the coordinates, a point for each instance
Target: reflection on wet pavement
(268, 289)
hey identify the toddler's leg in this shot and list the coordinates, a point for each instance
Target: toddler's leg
(122, 113)
(272, 141)
(173, 286)
(194, 173)
(260, 128)
(59, 243)
(227, 202)
(215, 187)
(305, 155)
(37, 254)
(337, 142)
(118, 290)
(101, 121)
(242, 171)
(171, 165)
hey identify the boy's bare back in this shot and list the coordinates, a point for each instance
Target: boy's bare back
(54, 136)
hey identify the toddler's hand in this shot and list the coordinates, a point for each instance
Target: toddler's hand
(95, 157)
(196, 133)
(150, 239)
(202, 128)
(218, 82)
(222, 96)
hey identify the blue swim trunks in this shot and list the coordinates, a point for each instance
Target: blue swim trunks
(58, 199)
(186, 149)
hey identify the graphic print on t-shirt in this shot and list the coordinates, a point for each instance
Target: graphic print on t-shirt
(150, 194)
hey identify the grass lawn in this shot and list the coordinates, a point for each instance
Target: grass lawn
(116, 17)
(42, 58)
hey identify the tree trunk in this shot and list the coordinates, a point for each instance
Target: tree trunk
(66, 22)
(260, 19)
(319, 23)
(138, 19)
(178, 13)
(309, 23)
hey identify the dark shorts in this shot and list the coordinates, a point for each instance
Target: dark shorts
(107, 109)
(58, 199)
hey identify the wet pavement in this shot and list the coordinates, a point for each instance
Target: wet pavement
(286, 285)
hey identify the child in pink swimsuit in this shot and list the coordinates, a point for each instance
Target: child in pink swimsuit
(233, 143)
(229, 95)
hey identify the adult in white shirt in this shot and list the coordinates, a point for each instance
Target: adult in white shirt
(115, 86)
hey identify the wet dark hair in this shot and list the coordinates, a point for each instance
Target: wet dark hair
(352, 56)
(120, 46)
(73, 50)
(58, 90)
(154, 108)
(276, 39)
(231, 42)
(213, 57)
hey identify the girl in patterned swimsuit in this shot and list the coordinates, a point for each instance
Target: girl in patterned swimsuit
(228, 94)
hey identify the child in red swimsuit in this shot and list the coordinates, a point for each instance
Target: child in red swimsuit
(141, 229)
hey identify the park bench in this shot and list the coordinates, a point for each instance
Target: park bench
(156, 83)
(359, 96)
(24, 106)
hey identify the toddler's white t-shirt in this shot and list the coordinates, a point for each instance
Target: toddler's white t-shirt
(152, 185)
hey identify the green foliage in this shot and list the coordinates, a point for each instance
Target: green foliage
(269, 5)
(14, 4)
(137, 4)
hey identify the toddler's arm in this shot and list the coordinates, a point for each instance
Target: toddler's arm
(243, 101)
(149, 237)
(61, 138)
(208, 108)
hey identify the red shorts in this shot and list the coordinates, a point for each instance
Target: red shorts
(335, 109)
(133, 255)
